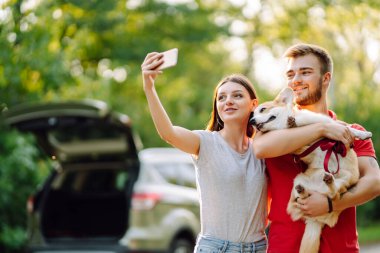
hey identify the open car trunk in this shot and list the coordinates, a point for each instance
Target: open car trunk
(89, 195)
(85, 203)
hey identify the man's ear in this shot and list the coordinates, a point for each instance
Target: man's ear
(285, 96)
(326, 79)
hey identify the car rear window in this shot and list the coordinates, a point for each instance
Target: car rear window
(91, 181)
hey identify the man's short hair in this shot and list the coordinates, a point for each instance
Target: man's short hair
(303, 49)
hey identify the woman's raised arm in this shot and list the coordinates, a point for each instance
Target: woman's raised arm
(178, 137)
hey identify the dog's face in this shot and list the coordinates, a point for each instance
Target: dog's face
(274, 114)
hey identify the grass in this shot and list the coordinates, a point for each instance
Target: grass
(369, 234)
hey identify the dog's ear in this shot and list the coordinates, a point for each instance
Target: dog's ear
(285, 96)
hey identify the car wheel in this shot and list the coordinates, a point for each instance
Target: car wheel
(182, 246)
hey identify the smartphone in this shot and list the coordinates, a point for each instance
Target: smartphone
(170, 58)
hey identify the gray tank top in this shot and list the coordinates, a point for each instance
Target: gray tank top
(232, 189)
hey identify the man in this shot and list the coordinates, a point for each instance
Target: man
(309, 72)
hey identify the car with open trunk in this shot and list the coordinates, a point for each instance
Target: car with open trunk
(105, 193)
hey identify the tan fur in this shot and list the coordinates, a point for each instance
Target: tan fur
(274, 115)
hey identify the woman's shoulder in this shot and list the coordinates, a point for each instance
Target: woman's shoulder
(205, 132)
(208, 136)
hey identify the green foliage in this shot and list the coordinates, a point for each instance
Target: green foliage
(12, 238)
(367, 213)
(18, 180)
(369, 234)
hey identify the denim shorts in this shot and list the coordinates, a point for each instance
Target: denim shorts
(209, 244)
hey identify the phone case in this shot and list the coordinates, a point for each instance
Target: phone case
(170, 58)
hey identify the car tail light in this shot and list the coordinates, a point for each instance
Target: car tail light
(30, 204)
(145, 201)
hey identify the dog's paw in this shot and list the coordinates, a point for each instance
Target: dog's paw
(328, 178)
(299, 188)
(342, 189)
(296, 215)
(364, 135)
(293, 211)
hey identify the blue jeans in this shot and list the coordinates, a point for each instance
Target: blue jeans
(209, 244)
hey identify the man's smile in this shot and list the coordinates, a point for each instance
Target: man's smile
(299, 88)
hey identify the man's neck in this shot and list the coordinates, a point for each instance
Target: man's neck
(319, 107)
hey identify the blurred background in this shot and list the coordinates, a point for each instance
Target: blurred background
(58, 50)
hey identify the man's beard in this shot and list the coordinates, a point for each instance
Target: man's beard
(311, 98)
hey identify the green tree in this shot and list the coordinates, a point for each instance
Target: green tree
(93, 49)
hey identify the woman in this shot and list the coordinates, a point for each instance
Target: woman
(230, 180)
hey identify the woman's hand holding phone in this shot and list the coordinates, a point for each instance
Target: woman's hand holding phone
(170, 58)
(155, 62)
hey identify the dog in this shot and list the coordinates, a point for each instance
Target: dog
(320, 157)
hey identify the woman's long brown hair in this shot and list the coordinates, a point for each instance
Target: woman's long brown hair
(215, 123)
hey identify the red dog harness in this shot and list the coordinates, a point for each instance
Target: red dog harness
(331, 146)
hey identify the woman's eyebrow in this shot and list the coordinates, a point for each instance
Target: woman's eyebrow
(234, 91)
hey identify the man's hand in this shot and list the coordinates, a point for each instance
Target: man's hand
(339, 132)
(314, 205)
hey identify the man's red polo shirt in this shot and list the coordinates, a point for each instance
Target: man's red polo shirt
(284, 234)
